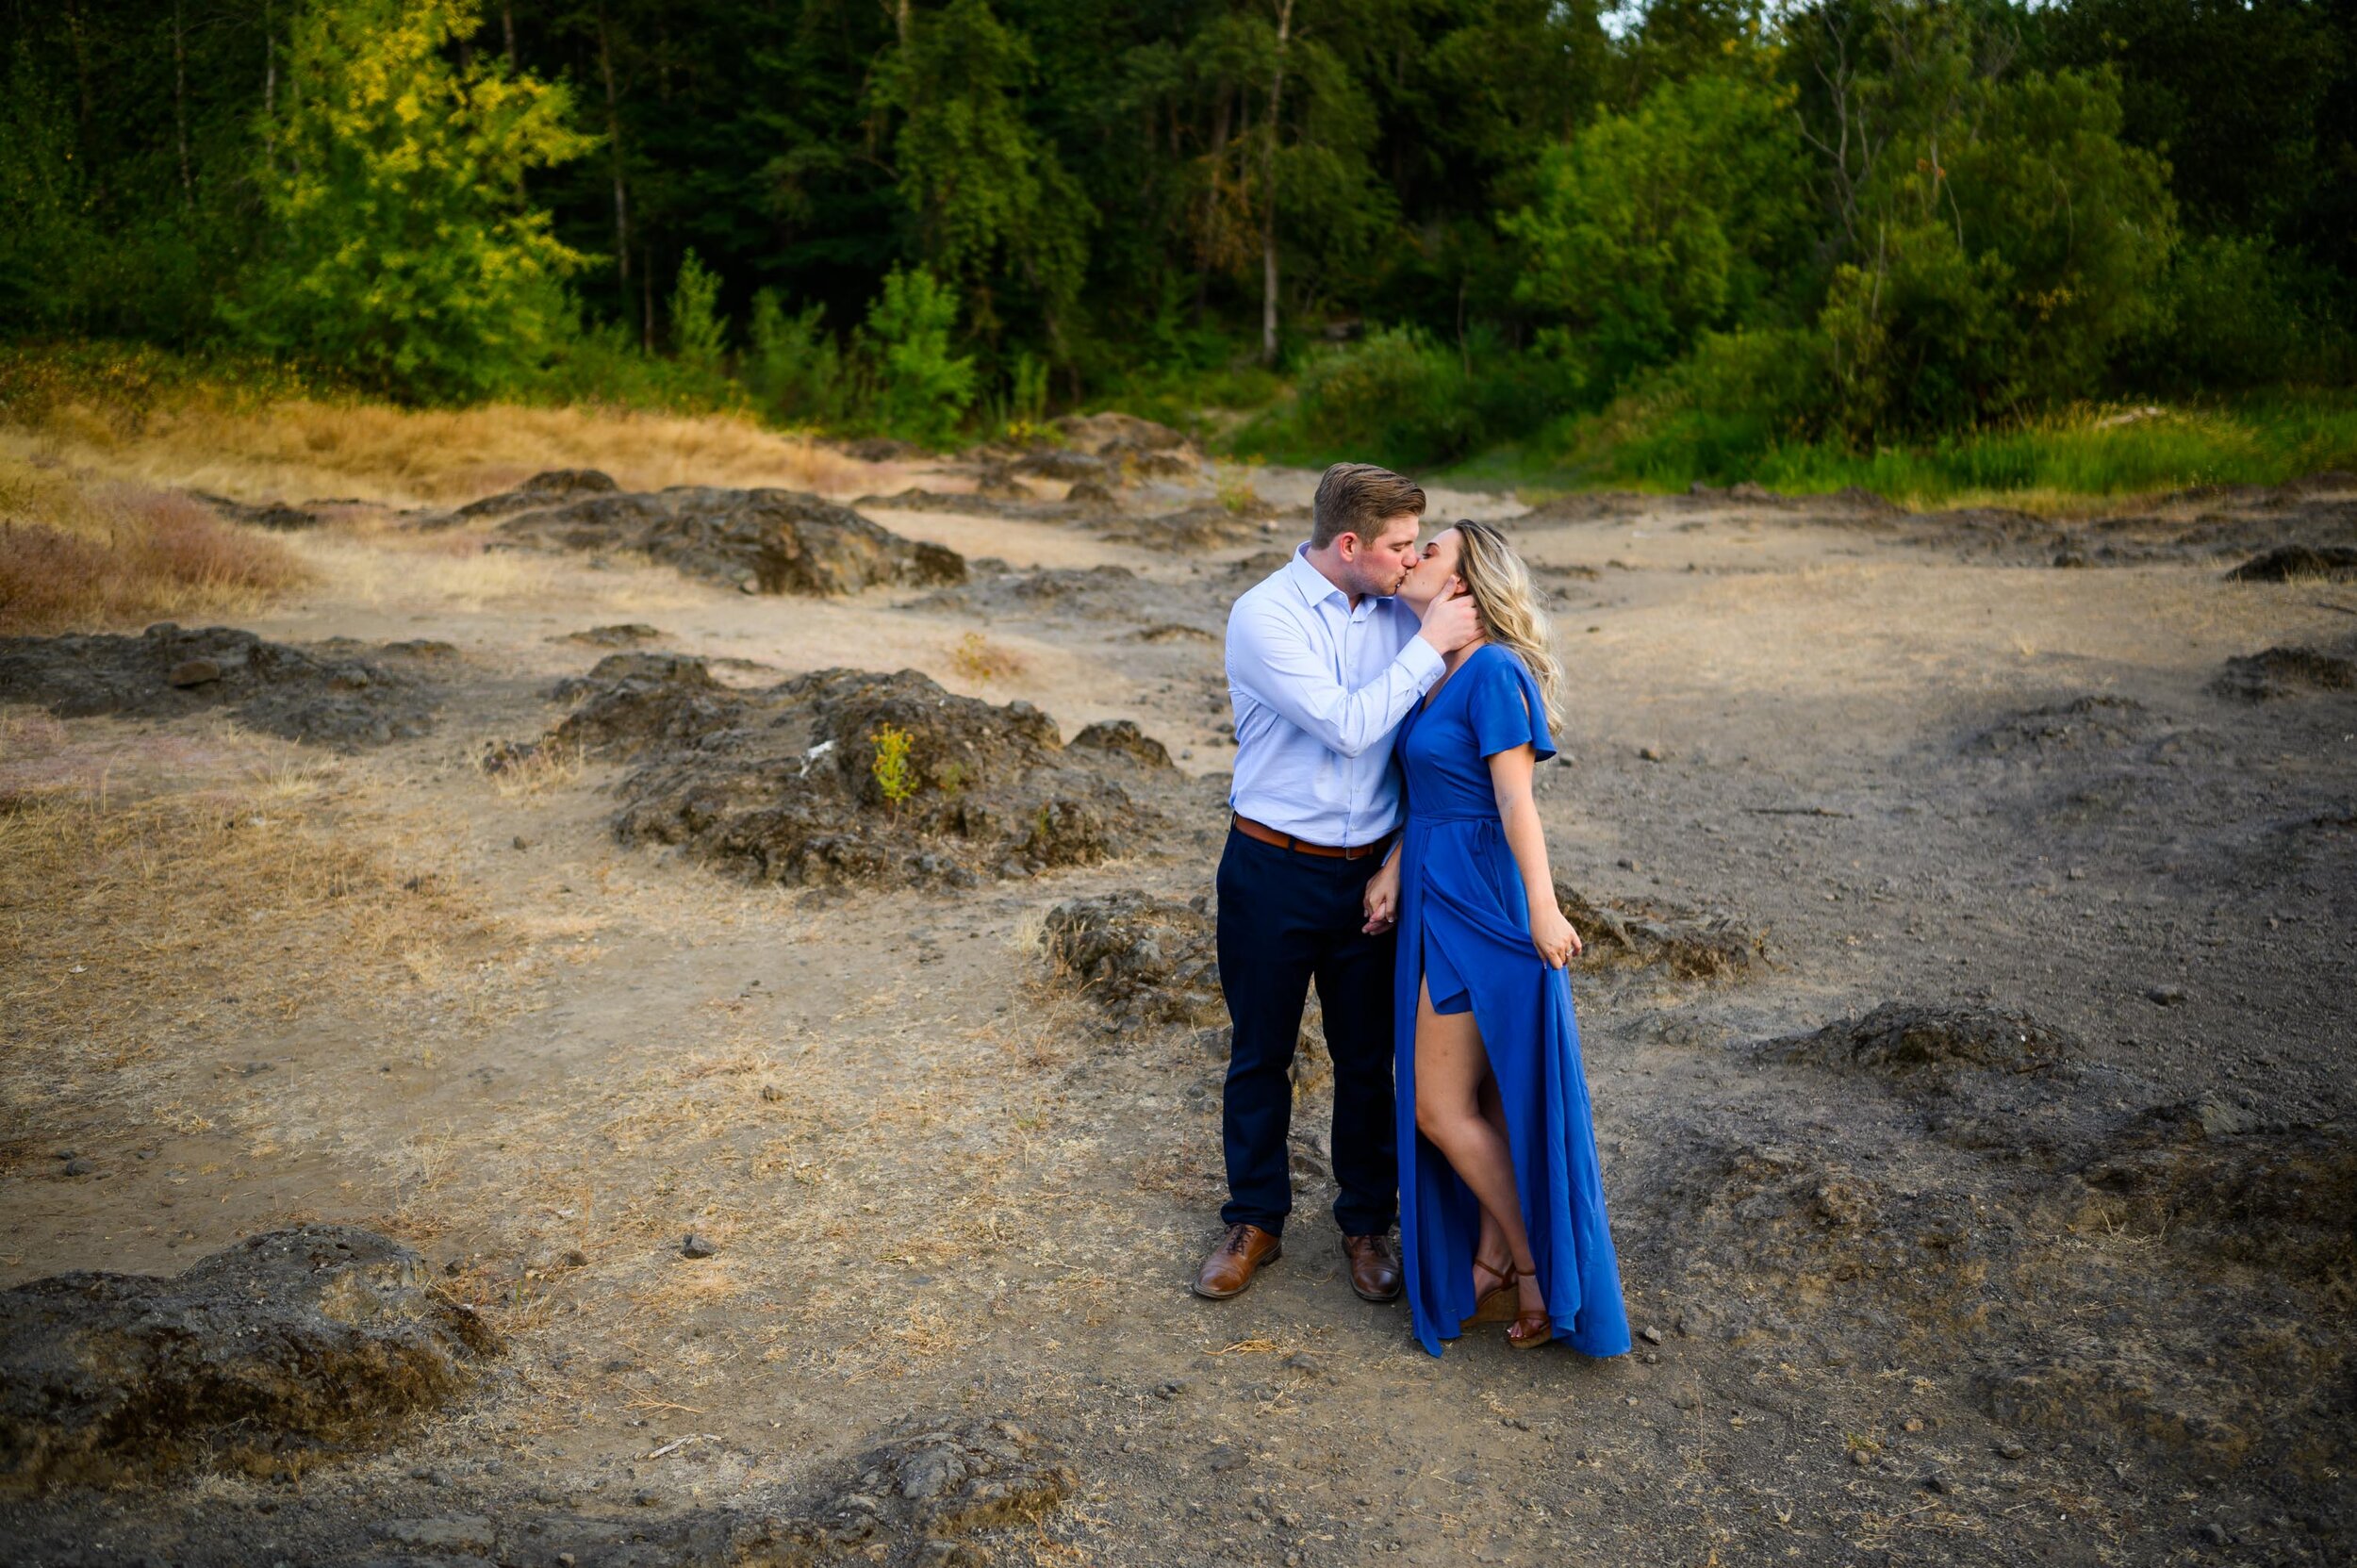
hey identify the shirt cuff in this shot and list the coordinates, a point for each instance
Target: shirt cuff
(1421, 663)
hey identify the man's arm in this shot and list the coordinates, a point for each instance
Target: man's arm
(1270, 655)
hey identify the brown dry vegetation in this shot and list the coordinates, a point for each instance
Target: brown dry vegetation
(74, 555)
(126, 920)
(300, 448)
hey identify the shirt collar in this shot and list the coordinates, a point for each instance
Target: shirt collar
(1309, 582)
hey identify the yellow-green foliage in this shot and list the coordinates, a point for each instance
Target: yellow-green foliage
(893, 772)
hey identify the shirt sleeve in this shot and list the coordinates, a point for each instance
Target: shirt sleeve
(1269, 655)
(1504, 708)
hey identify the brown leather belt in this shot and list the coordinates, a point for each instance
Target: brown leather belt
(1267, 835)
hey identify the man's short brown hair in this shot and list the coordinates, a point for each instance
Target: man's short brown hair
(1359, 498)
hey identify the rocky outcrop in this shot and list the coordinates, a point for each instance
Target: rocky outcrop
(760, 541)
(550, 487)
(799, 783)
(329, 696)
(282, 1348)
(2296, 563)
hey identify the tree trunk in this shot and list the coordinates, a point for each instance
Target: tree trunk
(269, 88)
(614, 146)
(507, 30)
(180, 98)
(1268, 192)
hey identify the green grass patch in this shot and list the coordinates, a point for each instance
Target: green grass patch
(2081, 454)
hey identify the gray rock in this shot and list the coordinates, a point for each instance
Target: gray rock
(775, 541)
(694, 1246)
(285, 1347)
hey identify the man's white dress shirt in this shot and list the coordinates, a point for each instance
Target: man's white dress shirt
(1318, 688)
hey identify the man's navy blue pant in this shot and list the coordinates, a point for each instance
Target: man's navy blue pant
(1286, 919)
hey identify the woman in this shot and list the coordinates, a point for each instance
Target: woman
(1501, 1205)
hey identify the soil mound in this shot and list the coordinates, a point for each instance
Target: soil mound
(922, 1496)
(1051, 593)
(2274, 673)
(2210, 1178)
(761, 541)
(283, 1347)
(329, 697)
(1897, 1038)
(2296, 563)
(1712, 946)
(798, 783)
(2083, 725)
(550, 487)
(1145, 960)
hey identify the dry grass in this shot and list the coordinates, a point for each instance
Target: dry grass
(75, 556)
(978, 658)
(125, 926)
(301, 449)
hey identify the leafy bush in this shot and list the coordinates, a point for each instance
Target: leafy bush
(697, 333)
(793, 368)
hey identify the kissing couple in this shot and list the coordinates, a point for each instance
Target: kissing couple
(1392, 701)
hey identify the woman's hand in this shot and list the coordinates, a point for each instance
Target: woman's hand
(1553, 935)
(1382, 897)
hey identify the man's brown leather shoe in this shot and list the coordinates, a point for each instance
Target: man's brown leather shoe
(1374, 1267)
(1236, 1260)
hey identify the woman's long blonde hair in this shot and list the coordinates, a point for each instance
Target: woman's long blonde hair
(1508, 601)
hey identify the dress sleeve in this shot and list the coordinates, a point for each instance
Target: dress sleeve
(1505, 709)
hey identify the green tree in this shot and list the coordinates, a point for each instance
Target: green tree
(1654, 227)
(1997, 241)
(922, 388)
(993, 202)
(400, 246)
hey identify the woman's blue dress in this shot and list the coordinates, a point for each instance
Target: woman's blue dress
(1464, 926)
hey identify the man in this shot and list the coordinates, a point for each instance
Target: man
(1322, 664)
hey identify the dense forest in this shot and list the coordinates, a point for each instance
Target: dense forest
(1433, 225)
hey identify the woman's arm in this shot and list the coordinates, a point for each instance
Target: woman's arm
(1510, 781)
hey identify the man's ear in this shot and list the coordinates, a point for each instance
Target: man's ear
(1346, 546)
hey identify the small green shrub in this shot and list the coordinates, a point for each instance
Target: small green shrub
(696, 331)
(894, 774)
(792, 366)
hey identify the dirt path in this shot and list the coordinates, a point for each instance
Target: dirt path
(1934, 1311)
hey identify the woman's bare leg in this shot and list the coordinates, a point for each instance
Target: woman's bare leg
(1451, 1067)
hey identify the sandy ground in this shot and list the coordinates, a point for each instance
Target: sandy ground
(938, 1185)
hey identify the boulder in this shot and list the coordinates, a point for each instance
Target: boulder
(762, 541)
(287, 1347)
(330, 695)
